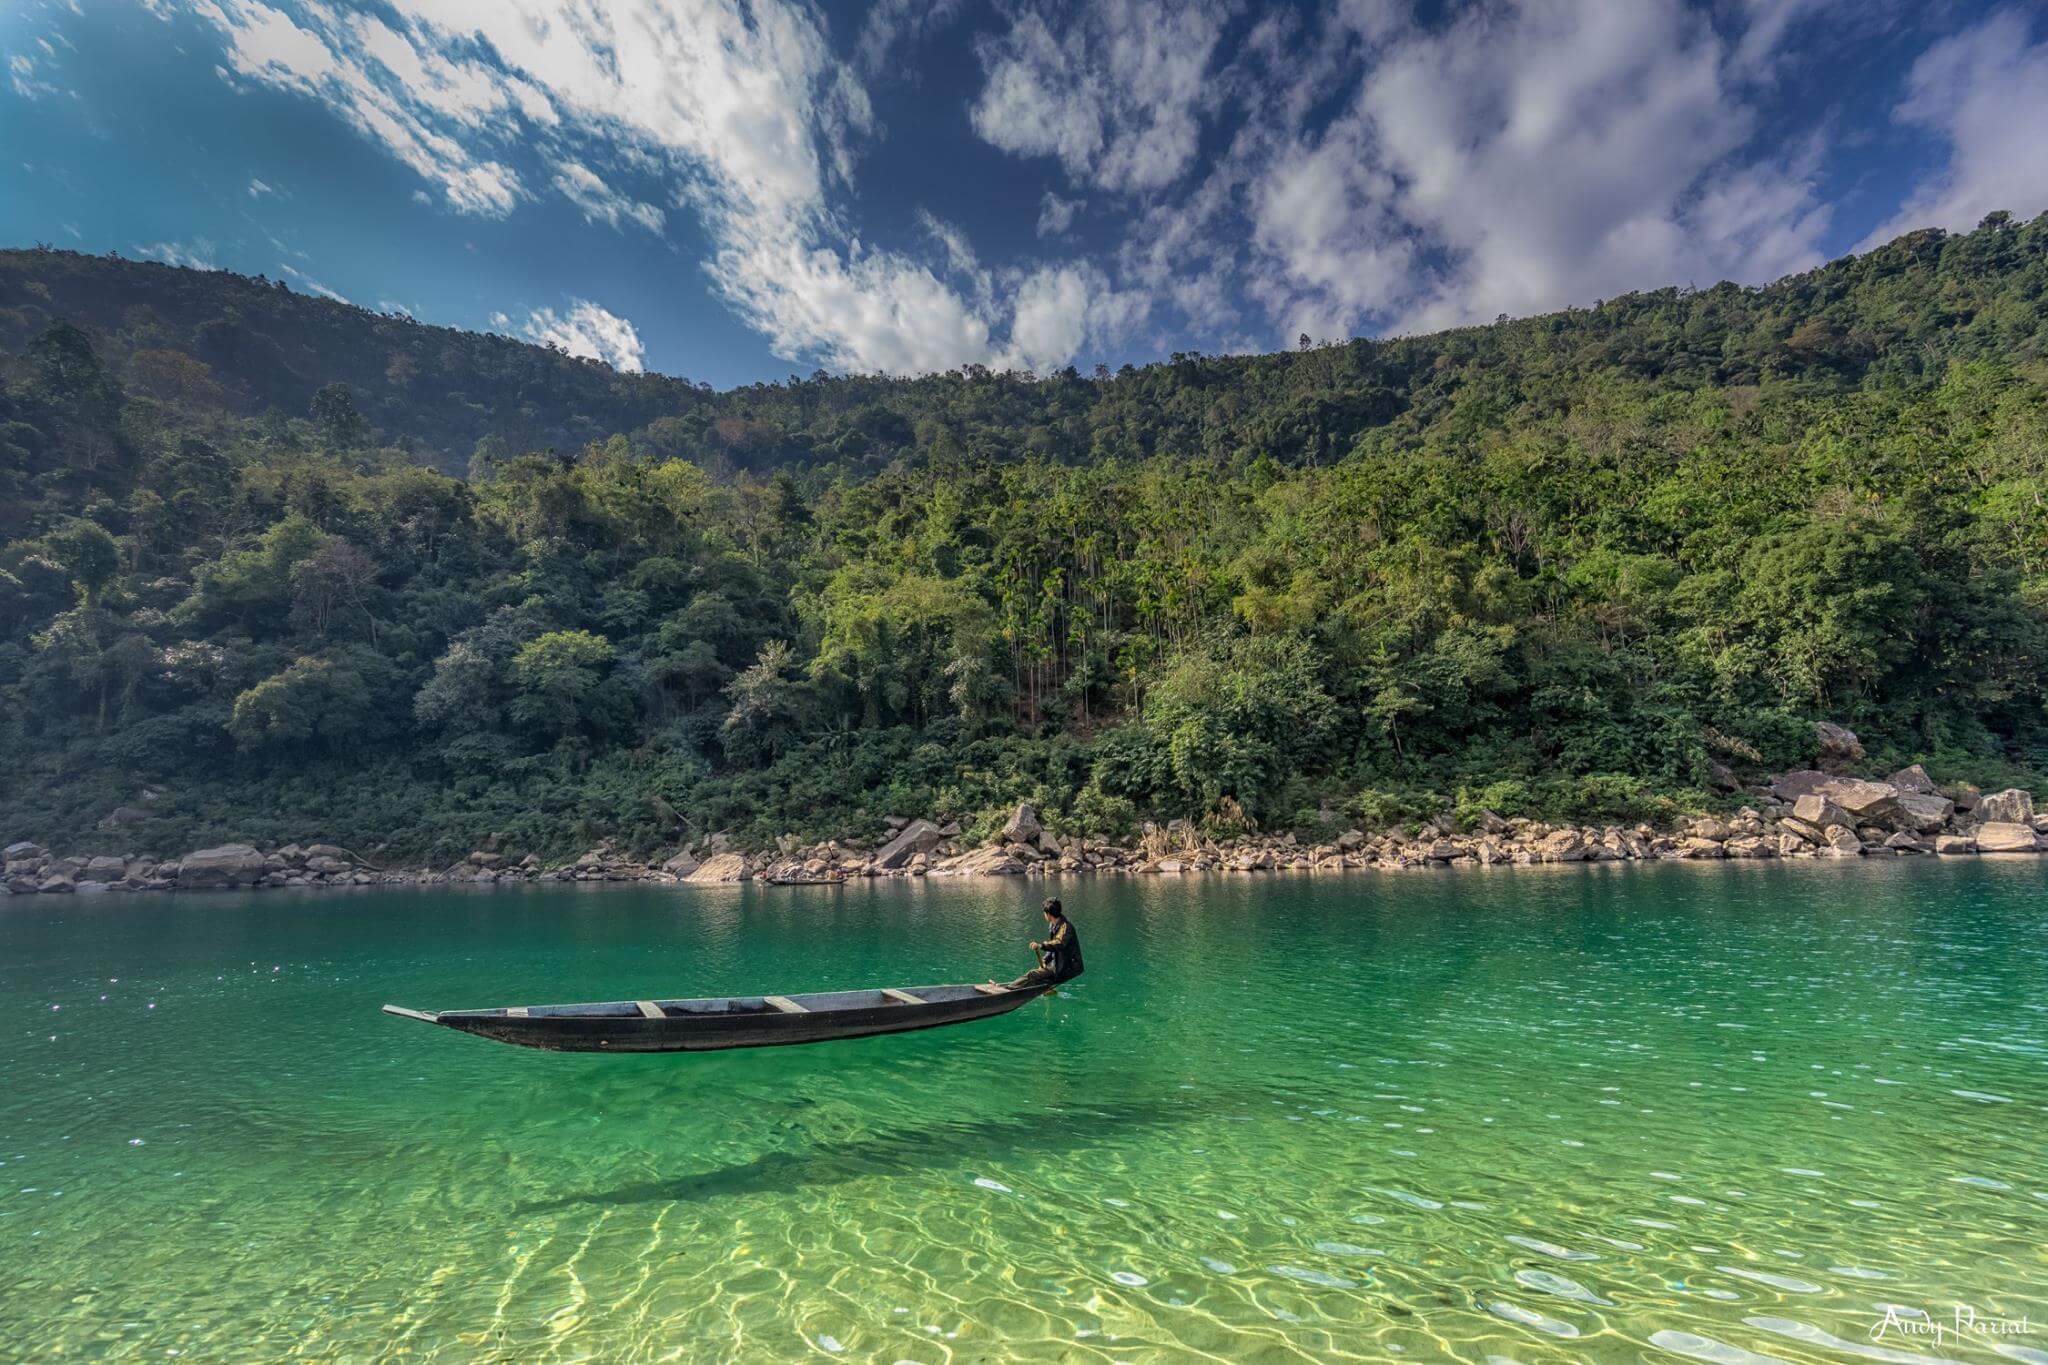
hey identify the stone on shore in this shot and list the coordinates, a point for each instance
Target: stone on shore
(681, 865)
(1023, 826)
(2005, 836)
(1925, 812)
(1817, 811)
(1843, 842)
(214, 868)
(1868, 803)
(1914, 780)
(1955, 843)
(919, 836)
(1803, 782)
(2013, 806)
(721, 869)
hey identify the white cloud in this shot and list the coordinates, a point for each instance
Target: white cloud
(893, 23)
(585, 330)
(741, 105)
(311, 285)
(257, 189)
(194, 255)
(1984, 92)
(22, 78)
(1061, 308)
(1115, 92)
(1056, 215)
(1519, 156)
(587, 190)
(374, 78)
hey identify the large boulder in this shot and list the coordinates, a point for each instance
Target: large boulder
(919, 836)
(1839, 747)
(1843, 842)
(22, 850)
(1954, 843)
(1867, 803)
(213, 868)
(1914, 779)
(2013, 806)
(1802, 782)
(721, 869)
(2002, 836)
(1924, 812)
(1817, 811)
(104, 869)
(681, 865)
(1023, 826)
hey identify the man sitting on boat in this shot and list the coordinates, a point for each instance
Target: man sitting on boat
(1059, 952)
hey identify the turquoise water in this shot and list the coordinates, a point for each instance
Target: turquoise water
(1530, 1114)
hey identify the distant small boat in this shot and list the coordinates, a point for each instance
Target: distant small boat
(729, 1021)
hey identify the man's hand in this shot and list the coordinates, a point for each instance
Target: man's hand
(1035, 947)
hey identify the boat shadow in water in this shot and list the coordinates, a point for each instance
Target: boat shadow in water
(899, 1151)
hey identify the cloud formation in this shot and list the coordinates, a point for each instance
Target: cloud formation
(1983, 92)
(1115, 89)
(1339, 167)
(585, 330)
(741, 109)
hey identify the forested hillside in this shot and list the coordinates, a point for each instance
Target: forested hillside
(1582, 565)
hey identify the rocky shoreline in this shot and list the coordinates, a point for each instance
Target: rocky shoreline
(1809, 813)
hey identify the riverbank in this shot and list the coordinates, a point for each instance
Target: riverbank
(1805, 814)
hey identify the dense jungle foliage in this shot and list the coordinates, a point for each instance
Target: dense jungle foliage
(1581, 565)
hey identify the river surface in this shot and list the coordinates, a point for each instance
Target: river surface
(1722, 1113)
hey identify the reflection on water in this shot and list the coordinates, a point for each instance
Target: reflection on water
(1723, 1114)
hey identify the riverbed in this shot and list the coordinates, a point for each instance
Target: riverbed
(1621, 1112)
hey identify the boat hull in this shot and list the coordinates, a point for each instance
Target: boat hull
(714, 1025)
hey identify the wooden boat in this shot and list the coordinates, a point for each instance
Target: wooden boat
(729, 1021)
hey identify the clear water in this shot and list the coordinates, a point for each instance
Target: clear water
(1611, 1113)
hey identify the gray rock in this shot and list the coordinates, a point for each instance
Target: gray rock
(227, 865)
(2002, 836)
(22, 850)
(1793, 785)
(56, 884)
(2013, 806)
(721, 868)
(1925, 812)
(1915, 780)
(1023, 826)
(682, 865)
(1820, 813)
(105, 869)
(1843, 843)
(1839, 747)
(919, 836)
(1870, 803)
(1903, 842)
(1954, 843)
(1750, 846)
(123, 815)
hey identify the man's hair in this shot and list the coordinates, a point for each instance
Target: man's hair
(1052, 907)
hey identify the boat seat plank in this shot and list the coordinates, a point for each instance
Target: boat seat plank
(785, 1004)
(516, 1012)
(649, 1009)
(903, 997)
(987, 989)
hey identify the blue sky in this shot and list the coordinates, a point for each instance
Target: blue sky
(733, 190)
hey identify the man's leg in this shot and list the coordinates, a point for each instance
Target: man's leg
(1037, 976)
